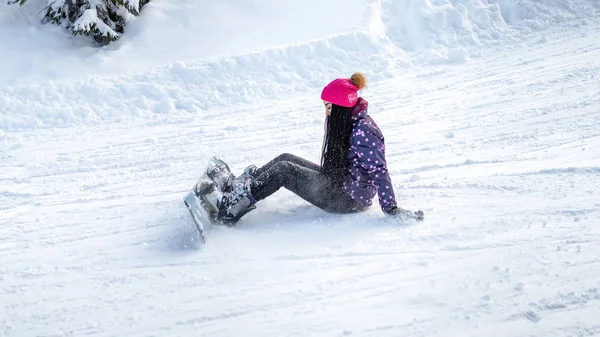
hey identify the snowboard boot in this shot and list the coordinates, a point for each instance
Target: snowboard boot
(214, 182)
(227, 197)
(218, 172)
(237, 200)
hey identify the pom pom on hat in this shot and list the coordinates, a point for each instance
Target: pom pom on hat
(344, 91)
(359, 80)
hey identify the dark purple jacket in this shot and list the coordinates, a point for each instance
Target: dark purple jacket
(366, 159)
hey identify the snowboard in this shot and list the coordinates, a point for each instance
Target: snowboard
(203, 199)
(197, 212)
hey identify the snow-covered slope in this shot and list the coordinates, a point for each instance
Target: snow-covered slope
(208, 64)
(490, 111)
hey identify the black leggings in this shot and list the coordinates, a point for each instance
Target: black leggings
(304, 179)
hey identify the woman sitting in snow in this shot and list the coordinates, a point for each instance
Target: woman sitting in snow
(353, 166)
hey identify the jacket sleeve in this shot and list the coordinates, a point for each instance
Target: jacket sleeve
(371, 151)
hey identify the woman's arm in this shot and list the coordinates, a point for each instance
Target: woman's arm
(371, 153)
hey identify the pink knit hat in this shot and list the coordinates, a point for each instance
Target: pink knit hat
(344, 91)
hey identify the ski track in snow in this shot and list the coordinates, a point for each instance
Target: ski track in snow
(502, 154)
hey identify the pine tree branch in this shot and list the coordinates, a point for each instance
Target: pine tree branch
(20, 2)
(102, 20)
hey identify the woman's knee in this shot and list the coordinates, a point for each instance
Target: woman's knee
(285, 171)
(284, 166)
(285, 157)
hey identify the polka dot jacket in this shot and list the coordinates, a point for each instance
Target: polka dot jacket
(366, 155)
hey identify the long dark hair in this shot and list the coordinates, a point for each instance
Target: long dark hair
(336, 142)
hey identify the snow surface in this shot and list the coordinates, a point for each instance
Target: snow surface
(490, 111)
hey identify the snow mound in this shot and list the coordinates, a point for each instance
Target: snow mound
(167, 31)
(536, 15)
(444, 31)
(190, 87)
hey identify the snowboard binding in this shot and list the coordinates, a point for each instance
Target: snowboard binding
(219, 197)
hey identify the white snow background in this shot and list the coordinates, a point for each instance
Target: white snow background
(491, 113)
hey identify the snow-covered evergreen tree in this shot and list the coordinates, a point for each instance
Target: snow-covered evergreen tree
(102, 20)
